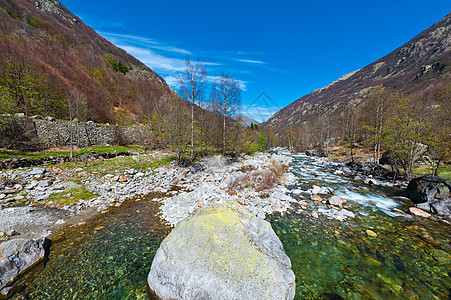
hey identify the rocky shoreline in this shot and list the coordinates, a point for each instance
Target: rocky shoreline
(262, 183)
(182, 190)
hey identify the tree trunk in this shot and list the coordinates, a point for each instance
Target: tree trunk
(192, 131)
(224, 135)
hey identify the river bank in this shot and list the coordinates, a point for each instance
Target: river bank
(34, 199)
(46, 200)
(110, 254)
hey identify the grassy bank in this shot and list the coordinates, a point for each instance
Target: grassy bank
(53, 152)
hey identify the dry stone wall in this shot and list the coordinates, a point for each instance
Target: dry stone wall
(55, 133)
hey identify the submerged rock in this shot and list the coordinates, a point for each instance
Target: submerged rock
(18, 255)
(222, 252)
(418, 212)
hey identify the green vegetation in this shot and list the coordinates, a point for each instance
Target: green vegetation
(71, 196)
(26, 88)
(33, 21)
(443, 171)
(6, 154)
(3, 10)
(102, 167)
(118, 66)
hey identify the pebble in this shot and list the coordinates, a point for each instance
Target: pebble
(371, 233)
(418, 212)
(316, 198)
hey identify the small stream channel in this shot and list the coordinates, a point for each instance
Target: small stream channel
(110, 256)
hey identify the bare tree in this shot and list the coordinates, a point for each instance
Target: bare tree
(192, 86)
(176, 127)
(77, 107)
(375, 112)
(226, 98)
(351, 130)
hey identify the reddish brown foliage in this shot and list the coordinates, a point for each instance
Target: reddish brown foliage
(69, 55)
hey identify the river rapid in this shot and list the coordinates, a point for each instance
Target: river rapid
(379, 253)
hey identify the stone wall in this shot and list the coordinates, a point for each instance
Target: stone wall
(55, 133)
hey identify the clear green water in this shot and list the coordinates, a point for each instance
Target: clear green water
(110, 256)
(331, 259)
(409, 259)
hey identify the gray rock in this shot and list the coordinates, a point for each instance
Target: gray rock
(431, 193)
(18, 187)
(45, 183)
(2, 196)
(42, 197)
(18, 255)
(347, 170)
(336, 200)
(6, 291)
(222, 252)
(37, 171)
(132, 171)
(32, 185)
(12, 233)
(347, 213)
(297, 192)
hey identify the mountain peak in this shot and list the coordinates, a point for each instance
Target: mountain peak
(54, 6)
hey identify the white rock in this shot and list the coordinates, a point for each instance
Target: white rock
(316, 190)
(336, 200)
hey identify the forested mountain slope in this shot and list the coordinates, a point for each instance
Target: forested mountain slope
(50, 58)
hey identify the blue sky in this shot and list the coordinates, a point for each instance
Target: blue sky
(278, 50)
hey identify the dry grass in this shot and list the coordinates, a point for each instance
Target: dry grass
(259, 180)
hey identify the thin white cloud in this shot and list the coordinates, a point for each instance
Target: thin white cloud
(258, 113)
(251, 61)
(168, 65)
(241, 83)
(171, 81)
(154, 60)
(142, 41)
(211, 63)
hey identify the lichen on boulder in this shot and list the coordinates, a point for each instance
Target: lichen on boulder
(222, 252)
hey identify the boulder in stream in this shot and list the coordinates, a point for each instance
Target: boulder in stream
(431, 193)
(222, 252)
(17, 255)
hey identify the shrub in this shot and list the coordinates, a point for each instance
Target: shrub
(259, 180)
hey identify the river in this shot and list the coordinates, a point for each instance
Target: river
(110, 255)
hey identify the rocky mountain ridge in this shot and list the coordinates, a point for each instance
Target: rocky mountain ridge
(415, 68)
(244, 120)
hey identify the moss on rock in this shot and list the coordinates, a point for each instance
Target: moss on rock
(222, 252)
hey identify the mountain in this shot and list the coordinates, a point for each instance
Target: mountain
(48, 55)
(244, 120)
(419, 67)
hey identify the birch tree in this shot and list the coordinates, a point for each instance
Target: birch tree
(226, 98)
(192, 86)
(376, 110)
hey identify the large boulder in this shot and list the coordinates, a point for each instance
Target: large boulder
(222, 252)
(17, 255)
(431, 193)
